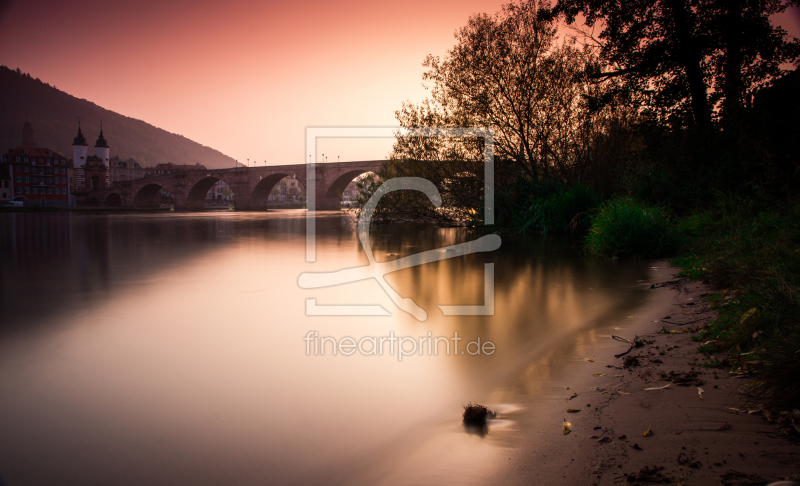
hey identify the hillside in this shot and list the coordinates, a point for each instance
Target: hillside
(54, 115)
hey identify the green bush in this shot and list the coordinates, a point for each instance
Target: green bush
(545, 206)
(515, 200)
(623, 228)
(564, 211)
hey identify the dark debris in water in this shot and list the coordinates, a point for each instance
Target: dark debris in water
(476, 415)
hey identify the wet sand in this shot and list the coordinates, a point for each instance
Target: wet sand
(696, 438)
(693, 440)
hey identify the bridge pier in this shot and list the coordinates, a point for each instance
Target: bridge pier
(324, 203)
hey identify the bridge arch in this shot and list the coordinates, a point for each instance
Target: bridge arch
(146, 196)
(260, 194)
(113, 200)
(197, 194)
(338, 186)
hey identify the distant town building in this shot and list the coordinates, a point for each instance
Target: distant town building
(125, 170)
(35, 175)
(219, 192)
(169, 168)
(350, 194)
(5, 184)
(287, 189)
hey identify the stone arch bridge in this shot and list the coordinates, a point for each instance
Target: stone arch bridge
(250, 186)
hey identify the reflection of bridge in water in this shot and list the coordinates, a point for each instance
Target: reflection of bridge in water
(250, 186)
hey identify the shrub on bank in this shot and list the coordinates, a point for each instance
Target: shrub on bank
(623, 228)
(545, 206)
(564, 211)
(515, 200)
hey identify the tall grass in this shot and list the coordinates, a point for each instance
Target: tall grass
(623, 228)
(566, 211)
(546, 206)
(750, 250)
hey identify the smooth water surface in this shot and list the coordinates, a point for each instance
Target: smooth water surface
(169, 348)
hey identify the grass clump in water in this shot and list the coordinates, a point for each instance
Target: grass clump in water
(623, 228)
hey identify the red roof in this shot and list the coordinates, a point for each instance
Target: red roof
(33, 152)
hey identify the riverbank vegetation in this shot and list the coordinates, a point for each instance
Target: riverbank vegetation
(661, 128)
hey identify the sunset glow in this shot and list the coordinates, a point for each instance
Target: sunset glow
(244, 77)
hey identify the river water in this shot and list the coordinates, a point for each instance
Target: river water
(175, 348)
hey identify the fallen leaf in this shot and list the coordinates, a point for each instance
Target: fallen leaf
(589, 360)
(747, 314)
(573, 396)
(567, 427)
(700, 392)
(599, 374)
(604, 440)
(623, 393)
(648, 433)
(573, 410)
(658, 387)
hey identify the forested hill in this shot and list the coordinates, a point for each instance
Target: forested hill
(54, 115)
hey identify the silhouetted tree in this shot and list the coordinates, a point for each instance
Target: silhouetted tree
(512, 73)
(672, 53)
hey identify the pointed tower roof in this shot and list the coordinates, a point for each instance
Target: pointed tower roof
(80, 139)
(27, 134)
(101, 141)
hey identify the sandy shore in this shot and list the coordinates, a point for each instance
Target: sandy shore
(695, 438)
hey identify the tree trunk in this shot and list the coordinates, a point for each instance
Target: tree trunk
(689, 58)
(732, 88)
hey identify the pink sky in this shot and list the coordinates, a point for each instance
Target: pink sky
(245, 77)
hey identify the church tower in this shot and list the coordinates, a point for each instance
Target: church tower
(27, 135)
(79, 149)
(101, 147)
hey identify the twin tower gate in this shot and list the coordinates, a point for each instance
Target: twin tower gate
(250, 185)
